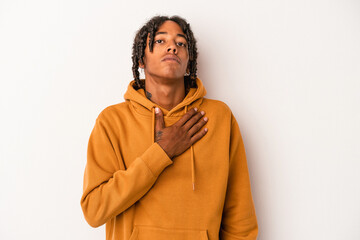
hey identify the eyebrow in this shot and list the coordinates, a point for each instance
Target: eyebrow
(179, 34)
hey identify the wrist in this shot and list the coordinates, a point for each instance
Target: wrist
(166, 151)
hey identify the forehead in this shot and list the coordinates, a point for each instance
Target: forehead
(170, 27)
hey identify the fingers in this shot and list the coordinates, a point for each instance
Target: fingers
(186, 117)
(194, 119)
(198, 135)
(159, 119)
(196, 127)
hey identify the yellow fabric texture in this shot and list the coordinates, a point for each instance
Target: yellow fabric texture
(132, 186)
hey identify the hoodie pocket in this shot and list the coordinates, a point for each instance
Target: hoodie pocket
(156, 233)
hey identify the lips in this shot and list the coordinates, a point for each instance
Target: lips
(171, 58)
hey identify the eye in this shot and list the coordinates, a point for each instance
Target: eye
(181, 44)
(158, 41)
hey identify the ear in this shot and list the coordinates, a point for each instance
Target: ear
(187, 73)
(188, 69)
(141, 63)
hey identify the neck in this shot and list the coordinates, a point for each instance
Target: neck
(166, 94)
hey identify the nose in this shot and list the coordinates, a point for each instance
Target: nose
(172, 48)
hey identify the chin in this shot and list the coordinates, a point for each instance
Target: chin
(169, 75)
(173, 75)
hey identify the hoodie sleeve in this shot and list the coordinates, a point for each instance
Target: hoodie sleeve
(239, 219)
(108, 189)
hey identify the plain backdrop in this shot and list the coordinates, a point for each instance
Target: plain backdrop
(289, 70)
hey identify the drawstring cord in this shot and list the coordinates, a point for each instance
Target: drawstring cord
(153, 124)
(192, 162)
(191, 148)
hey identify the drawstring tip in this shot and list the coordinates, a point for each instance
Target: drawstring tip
(193, 186)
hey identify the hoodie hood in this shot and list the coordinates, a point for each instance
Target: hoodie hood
(139, 100)
(144, 106)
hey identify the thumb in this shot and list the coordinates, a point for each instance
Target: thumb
(159, 119)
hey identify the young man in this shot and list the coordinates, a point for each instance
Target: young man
(168, 163)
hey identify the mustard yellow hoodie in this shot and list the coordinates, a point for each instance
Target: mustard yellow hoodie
(140, 193)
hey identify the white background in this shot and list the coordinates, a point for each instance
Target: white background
(289, 70)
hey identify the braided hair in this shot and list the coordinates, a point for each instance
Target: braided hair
(138, 49)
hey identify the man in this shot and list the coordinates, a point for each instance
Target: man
(157, 167)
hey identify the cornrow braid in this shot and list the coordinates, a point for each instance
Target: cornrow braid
(150, 28)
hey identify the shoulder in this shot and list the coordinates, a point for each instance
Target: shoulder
(113, 111)
(216, 105)
(220, 110)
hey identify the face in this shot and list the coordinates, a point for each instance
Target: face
(169, 58)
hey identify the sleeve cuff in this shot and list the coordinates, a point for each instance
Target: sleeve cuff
(156, 159)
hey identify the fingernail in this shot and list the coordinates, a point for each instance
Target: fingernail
(202, 112)
(156, 110)
(205, 118)
(205, 129)
(195, 109)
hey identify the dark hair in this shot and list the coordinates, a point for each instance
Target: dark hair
(138, 50)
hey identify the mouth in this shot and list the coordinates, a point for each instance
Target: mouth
(170, 58)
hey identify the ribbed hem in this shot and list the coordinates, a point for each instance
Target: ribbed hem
(156, 159)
